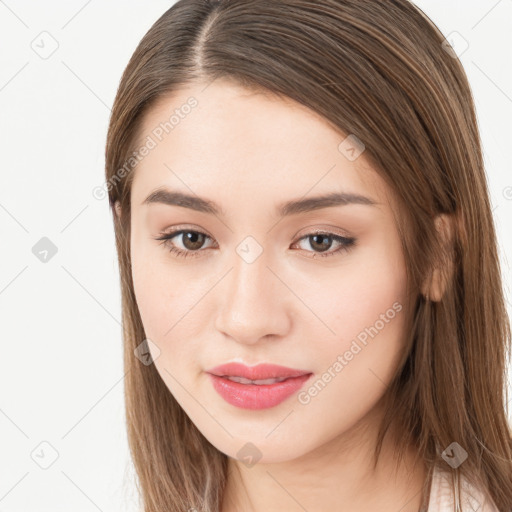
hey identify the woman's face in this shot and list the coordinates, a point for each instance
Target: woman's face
(250, 280)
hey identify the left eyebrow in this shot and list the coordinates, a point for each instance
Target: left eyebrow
(292, 207)
(324, 201)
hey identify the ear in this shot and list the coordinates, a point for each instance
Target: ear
(117, 207)
(435, 285)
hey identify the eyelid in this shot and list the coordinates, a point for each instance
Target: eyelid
(331, 230)
(185, 227)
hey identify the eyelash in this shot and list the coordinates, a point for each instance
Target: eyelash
(346, 243)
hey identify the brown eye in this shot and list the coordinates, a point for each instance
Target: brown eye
(192, 243)
(193, 240)
(320, 242)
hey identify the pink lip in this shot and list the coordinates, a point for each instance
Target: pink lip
(260, 371)
(256, 396)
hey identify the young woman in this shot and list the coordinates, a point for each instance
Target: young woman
(312, 301)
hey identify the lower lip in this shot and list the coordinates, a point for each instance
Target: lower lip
(254, 396)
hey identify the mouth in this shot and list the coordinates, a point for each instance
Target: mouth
(257, 387)
(260, 372)
(259, 382)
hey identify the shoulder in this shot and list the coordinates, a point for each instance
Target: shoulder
(443, 499)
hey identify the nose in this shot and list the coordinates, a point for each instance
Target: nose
(254, 303)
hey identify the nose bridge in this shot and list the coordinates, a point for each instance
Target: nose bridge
(252, 304)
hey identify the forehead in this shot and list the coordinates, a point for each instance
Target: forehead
(235, 141)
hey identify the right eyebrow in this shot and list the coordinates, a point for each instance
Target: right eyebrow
(174, 198)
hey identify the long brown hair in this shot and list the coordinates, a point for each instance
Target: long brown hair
(379, 70)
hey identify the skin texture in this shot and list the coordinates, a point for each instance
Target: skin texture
(249, 152)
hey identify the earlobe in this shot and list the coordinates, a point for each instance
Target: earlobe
(435, 285)
(433, 289)
(117, 207)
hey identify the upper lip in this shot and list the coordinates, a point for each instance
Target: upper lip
(258, 372)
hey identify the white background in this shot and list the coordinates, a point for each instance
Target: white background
(61, 359)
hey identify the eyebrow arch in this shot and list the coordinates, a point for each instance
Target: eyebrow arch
(295, 206)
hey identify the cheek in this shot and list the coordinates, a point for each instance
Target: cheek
(157, 297)
(373, 296)
(365, 312)
(170, 305)
(148, 290)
